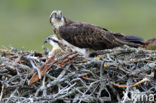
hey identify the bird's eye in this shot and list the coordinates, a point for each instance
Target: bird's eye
(49, 38)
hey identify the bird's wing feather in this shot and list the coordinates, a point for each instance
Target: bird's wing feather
(87, 36)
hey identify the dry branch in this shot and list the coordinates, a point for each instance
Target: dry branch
(73, 78)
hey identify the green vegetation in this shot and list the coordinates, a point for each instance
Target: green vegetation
(25, 23)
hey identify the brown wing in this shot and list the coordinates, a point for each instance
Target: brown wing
(88, 36)
(85, 35)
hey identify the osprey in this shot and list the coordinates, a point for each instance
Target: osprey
(58, 49)
(88, 36)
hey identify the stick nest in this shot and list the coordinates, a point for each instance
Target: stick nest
(115, 76)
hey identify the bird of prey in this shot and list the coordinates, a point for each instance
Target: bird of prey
(89, 37)
(58, 49)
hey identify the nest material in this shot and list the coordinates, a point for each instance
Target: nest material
(115, 76)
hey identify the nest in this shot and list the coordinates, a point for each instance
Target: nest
(118, 75)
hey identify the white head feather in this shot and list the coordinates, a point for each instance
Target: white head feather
(56, 19)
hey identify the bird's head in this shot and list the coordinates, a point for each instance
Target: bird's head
(57, 19)
(52, 40)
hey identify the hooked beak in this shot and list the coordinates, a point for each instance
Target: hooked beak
(59, 17)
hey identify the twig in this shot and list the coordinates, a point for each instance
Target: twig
(43, 69)
(2, 91)
(133, 85)
(35, 67)
(12, 94)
